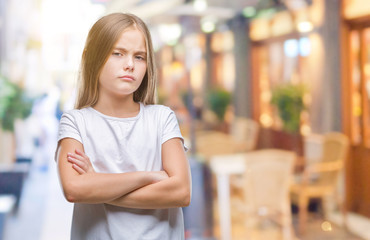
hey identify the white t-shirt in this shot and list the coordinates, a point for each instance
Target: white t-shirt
(117, 145)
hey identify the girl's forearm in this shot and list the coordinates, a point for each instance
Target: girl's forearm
(172, 192)
(104, 187)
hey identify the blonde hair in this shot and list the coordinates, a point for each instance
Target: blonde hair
(98, 47)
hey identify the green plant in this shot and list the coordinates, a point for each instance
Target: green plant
(14, 104)
(218, 100)
(288, 99)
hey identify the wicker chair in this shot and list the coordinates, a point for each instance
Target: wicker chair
(320, 178)
(267, 180)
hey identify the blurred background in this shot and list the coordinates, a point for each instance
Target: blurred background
(272, 97)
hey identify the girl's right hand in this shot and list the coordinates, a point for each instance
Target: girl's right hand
(80, 162)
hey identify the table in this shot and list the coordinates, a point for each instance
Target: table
(210, 143)
(223, 166)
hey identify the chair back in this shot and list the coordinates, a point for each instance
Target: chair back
(335, 148)
(267, 180)
(312, 148)
(245, 131)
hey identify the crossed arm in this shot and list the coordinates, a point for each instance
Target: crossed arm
(162, 189)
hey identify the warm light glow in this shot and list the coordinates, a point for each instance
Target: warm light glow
(282, 23)
(266, 96)
(326, 226)
(228, 74)
(305, 26)
(259, 29)
(266, 120)
(222, 41)
(307, 99)
(305, 130)
(367, 69)
(196, 76)
(177, 70)
(200, 5)
(355, 9)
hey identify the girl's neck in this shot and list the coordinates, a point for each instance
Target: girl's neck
(124, 108)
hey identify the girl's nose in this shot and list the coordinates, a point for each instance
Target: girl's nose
(129, 64)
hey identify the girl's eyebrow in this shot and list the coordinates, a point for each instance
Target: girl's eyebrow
(125, 50)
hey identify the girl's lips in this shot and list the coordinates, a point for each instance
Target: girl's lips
(127, 78)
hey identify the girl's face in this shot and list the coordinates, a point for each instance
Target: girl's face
(125, 68)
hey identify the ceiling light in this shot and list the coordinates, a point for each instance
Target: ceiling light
(208, 24)
(170, 33)
(200, 5)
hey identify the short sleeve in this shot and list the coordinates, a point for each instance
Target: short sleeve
(171, 129)
(68, 128)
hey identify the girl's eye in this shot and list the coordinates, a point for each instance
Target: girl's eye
(140, 58)
(117, 54)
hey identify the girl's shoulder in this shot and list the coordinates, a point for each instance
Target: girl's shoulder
(157, 109)
(77, 113)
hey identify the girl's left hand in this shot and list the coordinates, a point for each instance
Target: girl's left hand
(80, 162)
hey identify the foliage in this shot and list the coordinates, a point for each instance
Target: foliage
(14, 104)
(218, 100)
(288, 98)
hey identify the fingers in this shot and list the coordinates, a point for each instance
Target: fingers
(81, 153)
(81, 160)
(80, 164)
(78, 169)
(74, 156)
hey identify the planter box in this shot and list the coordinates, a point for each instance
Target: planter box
(11, 180)
(272, 138)
(7, 147)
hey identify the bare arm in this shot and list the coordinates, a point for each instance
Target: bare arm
(93, 187)
(172, 192)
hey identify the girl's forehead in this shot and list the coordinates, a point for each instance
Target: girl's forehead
(132, 35)
(134, 28)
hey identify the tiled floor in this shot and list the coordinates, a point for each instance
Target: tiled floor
(317, 229)
(44, 214)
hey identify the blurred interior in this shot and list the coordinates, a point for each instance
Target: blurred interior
(272, 97)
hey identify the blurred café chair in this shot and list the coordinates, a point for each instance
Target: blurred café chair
(267, 179)
(320, 177)
(312, 148)
(242, 137)
(245, 133)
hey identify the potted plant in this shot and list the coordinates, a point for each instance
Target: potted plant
(218, 100)
(288, 99)
(14, 104)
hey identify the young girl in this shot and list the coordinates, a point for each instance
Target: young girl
(121, 159)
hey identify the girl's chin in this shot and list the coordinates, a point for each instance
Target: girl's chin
(123, 94)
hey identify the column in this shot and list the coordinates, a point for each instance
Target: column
(242, 97)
